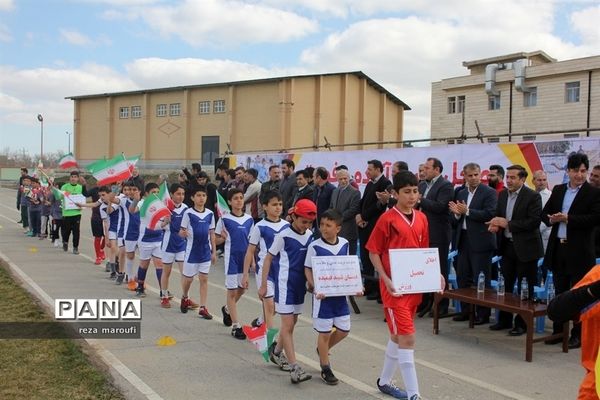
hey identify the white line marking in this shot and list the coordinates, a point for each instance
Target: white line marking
(108, 357)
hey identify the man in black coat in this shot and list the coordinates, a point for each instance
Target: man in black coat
(370, 211)
(323, 190)
(346, 200)
(436, 194)
(287, 185)
(573, 211)
(517, 224)
(474, 205)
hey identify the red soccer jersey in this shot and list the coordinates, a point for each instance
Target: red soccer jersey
(394, 230)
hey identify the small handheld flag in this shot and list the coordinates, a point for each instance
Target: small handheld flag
(116, 169)
(261, 338)
(67, 161)
(153, 210)
(222, 207)
(164, 195)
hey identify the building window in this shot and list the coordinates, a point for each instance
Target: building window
(451, 105)
(175, 109)
(530, 98)
(571, 92)
(123, 112)
(494, 102)
(204, 107)
(219, 106)
(210, 149)
(161, 110)
(136, 111)
(461, 104)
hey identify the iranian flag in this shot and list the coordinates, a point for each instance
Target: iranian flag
(222, 207)
(153, 210)
(164, 195)
(261, 338)
(116, 169)
(57, 193)
(67, 161)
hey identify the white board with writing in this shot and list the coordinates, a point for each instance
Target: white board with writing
(72, 199)
(415, 270)
(337, 275)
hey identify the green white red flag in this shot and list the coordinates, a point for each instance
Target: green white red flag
(117, 169)
(67, 161)
(164, 195)
(153, 210)
(222, 207)
(261, 338)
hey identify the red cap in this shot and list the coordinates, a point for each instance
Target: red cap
(304, 208)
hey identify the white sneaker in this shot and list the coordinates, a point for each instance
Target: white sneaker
(298, 375)
(56, 243)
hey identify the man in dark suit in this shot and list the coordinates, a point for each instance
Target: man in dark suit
(323, 190)
(303, 190)
(370, 211)
(475, 205)
(573, 211)
(346, 200)
(287, 185)
(436, 193)
(517, 224)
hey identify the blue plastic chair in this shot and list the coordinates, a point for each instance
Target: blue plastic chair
(452, 282)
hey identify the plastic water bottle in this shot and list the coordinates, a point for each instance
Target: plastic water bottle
(524, 289)
(501, 287)
(481, 283)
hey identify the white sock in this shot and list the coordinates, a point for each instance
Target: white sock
(406, 362)
(129, 268)
(390, 363)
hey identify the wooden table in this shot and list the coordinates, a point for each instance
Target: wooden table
(509, 302)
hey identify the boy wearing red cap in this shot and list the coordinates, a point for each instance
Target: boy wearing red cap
(401, 227)
(290, 283)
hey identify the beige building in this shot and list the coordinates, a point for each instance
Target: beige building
(521, 96)
(185, 124)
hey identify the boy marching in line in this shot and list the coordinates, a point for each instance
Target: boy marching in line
(328, 312)
(261, 238)
(401, 227)
(198, 227)
(56, 214)
(116, 230)
(233, 229)
(24, 199)
(173, 245)
(149, 241)
(290, 283)
(131, 233)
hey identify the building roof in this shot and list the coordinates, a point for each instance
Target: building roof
(358, 74)
(509, 57)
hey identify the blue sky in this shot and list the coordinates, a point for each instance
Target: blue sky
(53, 49)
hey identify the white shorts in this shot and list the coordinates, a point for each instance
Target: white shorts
(288, 308)
(148, 250)
(120, 242)
(112, 235)
(131, 245)
(168, 258)
(325, 325)
(192, 269)
(233, 281)
(270, 286)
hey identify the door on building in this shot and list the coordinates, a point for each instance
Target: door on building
(210, 149)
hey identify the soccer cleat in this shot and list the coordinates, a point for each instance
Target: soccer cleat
(165, 303)
(75, 250)
(119, 280)
(279, 359)
(112, 276)
(226, 317)
(394, 391)
(192, 305)
(139, 292)
(98, 261)
(203, 313)
(328, 377)
(184, 306)
(29, 233)
(238, 333)
(416, 397)
(131, 285)
(298, 375)
(256, 322)
(169, 295)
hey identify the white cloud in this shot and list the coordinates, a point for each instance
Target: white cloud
(75, 37)
(5, 35)
(585, 22)
(7, 5)
(227, 22)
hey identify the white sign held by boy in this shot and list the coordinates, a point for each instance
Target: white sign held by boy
(415, 270)
(337, 276)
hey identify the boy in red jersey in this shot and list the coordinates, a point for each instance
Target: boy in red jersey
(401, 227)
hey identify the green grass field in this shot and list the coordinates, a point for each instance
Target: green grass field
(44, 368)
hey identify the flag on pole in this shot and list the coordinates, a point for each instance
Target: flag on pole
(222, 207)
(67, 161)
(57, 193)
(116, 169)
(164, 195)
(43, 181)
(261, 338)
(152, 210)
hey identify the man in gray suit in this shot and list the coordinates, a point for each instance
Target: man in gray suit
(346, 200)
